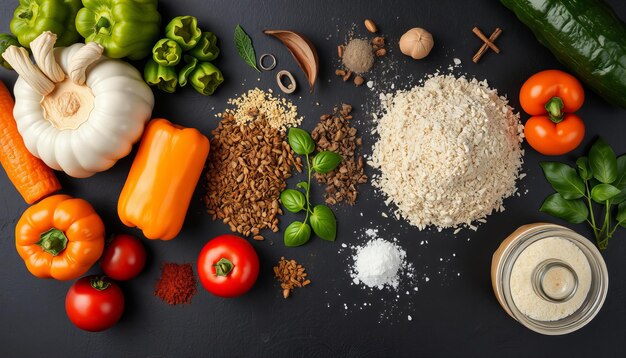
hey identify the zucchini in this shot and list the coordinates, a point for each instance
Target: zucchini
(584, 35)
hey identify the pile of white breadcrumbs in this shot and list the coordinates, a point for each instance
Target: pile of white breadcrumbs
(448, 152)
(279, 112)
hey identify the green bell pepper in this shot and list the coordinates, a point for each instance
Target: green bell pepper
(184, 73)
(6, 40)
(124, 28)
(164, 77)
(206, 78)
(167, 52)
(32, 17)
(184, 30)
(206, 49)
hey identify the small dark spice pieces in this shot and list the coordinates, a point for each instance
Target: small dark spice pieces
(246, 172)
(177, 284)
(291, 275)
(335, 133)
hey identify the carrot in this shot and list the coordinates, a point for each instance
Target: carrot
(30, 176)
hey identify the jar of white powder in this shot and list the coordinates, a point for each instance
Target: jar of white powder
(549, 278)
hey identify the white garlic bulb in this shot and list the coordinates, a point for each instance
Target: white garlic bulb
(416, 43)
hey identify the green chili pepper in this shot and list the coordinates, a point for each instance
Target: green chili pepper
(6, 40)
(184, 73)
(166, 52)
(184, 30)
(124, 28)
(32, 17)
(206, 78)
(164, 77)
(206, 49)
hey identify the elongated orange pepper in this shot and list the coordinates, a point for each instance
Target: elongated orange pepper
(59, 237)
(162, 179)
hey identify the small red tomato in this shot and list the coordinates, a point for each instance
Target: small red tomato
(124, 258)
(228, 266)
(94, 303)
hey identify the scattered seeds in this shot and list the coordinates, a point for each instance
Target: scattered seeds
(279, 112)
(291, 275)
(335, 133)
(246, 172)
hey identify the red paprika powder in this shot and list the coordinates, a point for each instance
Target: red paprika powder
(177, 284)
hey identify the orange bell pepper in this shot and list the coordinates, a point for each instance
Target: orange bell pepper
(59, 237)
(551, 97)
(162, 179)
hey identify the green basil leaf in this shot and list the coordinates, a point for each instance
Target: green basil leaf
(603, 162)
(325, 161)
(603, 192)
(620, 182)
(293, 200)
(573, 211)
(583, 168)
(296, 234)
(303, 185)
(324, 223)
(243, 45)
(564, 180)
(300, 141)
(621, 215)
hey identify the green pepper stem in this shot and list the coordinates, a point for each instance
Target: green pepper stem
(223, 267)
(555, 109)
(28, 14)
(53, 241)
(103, 22)
(99, 283)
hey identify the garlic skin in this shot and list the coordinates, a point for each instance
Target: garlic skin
(416, 43)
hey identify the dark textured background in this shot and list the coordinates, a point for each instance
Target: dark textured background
(454, 313)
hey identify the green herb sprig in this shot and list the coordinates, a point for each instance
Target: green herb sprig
(243, 44)
(321, 217)
(599, 178)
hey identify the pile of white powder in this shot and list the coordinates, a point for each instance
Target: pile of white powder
(378, 263)
(448, 151)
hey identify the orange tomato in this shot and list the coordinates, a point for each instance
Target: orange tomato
(551, 97)
(59, 237)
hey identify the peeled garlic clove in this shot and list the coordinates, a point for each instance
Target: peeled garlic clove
(416, 43)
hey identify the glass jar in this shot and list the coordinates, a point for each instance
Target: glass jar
(502, 266)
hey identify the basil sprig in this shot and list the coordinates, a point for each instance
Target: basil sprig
(599, 178)
(321, 218)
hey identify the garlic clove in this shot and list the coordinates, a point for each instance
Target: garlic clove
(416, 43)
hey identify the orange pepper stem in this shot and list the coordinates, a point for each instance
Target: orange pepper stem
(223, 267)
(53, 241)
(555, 107)
(99, 283)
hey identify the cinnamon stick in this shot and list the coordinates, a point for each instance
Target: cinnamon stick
(483, 49)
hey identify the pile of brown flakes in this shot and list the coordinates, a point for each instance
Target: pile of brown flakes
(291, 275)
(246, 172)
(335, 133)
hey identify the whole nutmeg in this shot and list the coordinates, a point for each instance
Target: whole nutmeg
(416, 43)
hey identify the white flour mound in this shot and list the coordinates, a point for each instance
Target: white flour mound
(449, 151)
(378, 264)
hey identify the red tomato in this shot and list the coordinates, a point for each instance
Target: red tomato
(123, 258)
(228, 266)
(94, 303)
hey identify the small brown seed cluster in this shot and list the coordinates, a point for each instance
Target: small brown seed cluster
(246, 172)
(335, 133)
(291, 275)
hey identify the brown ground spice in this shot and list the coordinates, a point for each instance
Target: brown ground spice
(246, 172)
(177, 284)
(335, 133)
(291, 275)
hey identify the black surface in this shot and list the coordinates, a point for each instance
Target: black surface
(452, 314)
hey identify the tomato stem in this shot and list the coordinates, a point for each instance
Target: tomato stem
(53, 241)
(555, 109)
(223, 267)
(100, 282)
